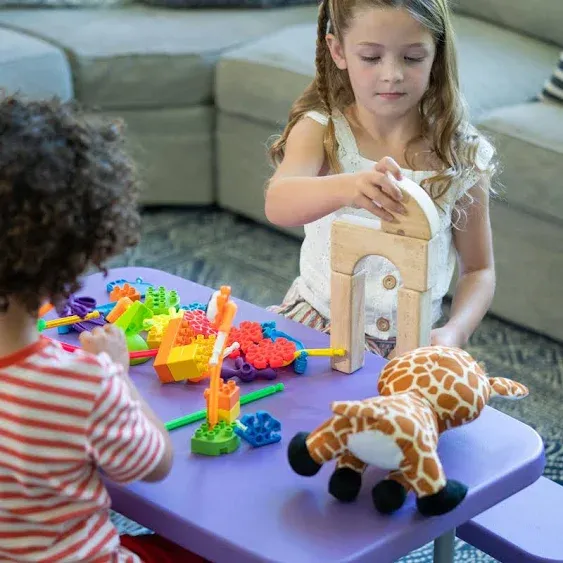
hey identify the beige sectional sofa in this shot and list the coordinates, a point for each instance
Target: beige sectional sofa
(203, 90)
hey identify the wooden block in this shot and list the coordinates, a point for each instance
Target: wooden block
(414, 320)
(421, 221)
(347, 320)
(353, 238)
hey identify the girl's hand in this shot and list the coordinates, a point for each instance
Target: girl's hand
(109, 339)
(447, 335)
(376, 190)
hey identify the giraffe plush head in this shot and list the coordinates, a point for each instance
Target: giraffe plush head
(422, 393)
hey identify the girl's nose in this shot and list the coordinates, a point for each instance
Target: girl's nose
(392, 71)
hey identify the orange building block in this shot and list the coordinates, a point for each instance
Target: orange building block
(125, 290)
(161, 360)
(229, 395)
(120, 307)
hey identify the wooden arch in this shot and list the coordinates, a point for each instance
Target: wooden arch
(410, 245)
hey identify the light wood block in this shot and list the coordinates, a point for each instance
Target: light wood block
(414, 320)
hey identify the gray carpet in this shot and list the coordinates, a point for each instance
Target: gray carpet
(212, 247)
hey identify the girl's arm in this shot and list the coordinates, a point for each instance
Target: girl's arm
(476, 283)
(296, 193)
(299, 192)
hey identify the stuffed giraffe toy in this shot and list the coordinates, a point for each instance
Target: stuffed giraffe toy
(422, 393)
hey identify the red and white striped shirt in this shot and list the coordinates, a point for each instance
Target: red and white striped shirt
(64, 418)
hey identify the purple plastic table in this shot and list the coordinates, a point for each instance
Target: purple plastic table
(249, 506)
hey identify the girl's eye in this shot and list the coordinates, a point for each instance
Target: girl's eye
(371, 59)
(414, 59)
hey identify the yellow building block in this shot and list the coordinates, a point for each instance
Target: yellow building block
(231, 415)
(182, 362)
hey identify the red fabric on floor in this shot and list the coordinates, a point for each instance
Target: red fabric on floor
(156, 549)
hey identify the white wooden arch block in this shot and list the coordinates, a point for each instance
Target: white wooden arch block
(410, 244)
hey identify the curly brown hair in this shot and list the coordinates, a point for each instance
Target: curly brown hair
(68, 199)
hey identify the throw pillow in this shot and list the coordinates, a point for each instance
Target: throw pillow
(553, 88)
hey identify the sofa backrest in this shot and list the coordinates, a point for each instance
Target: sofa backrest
(538, 18)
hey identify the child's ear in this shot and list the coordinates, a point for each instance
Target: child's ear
(336, 51)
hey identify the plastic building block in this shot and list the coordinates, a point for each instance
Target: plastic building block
(247, 372)
(120, 307)
(199, 323)
(136, 343)
(138, 284)
(106, 309)
(191, 361)
(270, 331)
(160, 300)
(230, 415)
(271, 354)
(247, 334)
(218, 441)
(194, 307)
(132, 320)
(168, 341)
(259, 430)
(156, 326)
(125, 290)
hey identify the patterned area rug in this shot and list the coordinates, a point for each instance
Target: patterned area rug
(213, 247)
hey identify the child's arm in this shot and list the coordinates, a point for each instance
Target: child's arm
(298, 193)
(127, 440)
(476, 283)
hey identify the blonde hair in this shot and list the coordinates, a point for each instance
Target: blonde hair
(443, 110)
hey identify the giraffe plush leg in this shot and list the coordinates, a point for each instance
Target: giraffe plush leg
(435, 494)
(299, 456)
(346, 481)
(390, 494)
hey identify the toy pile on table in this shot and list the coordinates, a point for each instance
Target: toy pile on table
(182, 339)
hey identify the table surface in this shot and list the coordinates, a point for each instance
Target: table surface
(249, 506)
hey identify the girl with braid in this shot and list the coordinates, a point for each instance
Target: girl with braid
(385, 104)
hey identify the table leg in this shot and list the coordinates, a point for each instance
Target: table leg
(444, 548)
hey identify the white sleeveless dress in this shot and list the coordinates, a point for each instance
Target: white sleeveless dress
(308, 299)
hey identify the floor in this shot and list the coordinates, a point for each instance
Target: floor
(214, 247)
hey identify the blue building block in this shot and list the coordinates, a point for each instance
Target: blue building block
(194, 307)
(270, 331)
(260, 429)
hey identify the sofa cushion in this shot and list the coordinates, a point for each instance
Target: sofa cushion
(553, 87)
(529, 139)
(228, 3)
(261, 79)
(32, 67)
(142, 57)
(537, 18)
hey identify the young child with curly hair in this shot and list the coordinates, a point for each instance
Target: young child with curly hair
(385, 104)
(68, 201)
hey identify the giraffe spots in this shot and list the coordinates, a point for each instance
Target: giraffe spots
(465, 393)
(480, 403)
(341, 424)
(406, 425)
(472, 380)
(422, 445)
(423, 381)
(433, 390)
(431, 468)
(452, 364)
(438, 374)
(461, 415)
(402, 384)
(423, 487)
(422, 359)
(447, 401)
(448, 382)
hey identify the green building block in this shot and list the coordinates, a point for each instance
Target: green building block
(159, 300)
(221, 440)
(132, 320)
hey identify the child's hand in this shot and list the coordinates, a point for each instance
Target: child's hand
(377, 191)
(109, 339)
